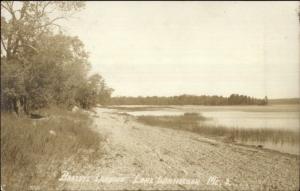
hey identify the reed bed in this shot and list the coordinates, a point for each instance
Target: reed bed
(194, 122)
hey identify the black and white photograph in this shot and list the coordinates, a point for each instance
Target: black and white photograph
(150, 95)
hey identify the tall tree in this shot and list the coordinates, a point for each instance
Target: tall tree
(23, 25)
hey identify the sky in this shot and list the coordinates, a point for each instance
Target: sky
(172, 48)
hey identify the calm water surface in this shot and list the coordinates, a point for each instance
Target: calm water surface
(238, 119)
(241, 117)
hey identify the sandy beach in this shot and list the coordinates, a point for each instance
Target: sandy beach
(140, 157)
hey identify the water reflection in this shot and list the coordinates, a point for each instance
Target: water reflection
(239, 119)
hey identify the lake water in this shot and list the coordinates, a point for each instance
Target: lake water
(242, 119)
(275, 117)
(288, 120)
(155, 113)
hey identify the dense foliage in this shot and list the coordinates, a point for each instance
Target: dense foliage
(39, 64)
(233, 99)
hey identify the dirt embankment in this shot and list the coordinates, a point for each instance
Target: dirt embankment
(149, 158)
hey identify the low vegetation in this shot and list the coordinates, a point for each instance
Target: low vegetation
(195, 123)
(33, 150)
(188, 121)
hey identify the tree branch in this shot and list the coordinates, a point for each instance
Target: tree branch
(27, 45)
(45, 6)
(6, 8)
(10, 9)
(3, 44)
(23, 10)
(50, 22)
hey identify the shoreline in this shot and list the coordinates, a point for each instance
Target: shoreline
(133, 149)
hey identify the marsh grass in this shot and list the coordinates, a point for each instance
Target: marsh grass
(188, 121)
(195, 123)
(32, 150)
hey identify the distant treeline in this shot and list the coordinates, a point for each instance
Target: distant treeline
(285, 101)
(233, 99)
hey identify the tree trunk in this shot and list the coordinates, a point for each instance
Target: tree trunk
(18, 106)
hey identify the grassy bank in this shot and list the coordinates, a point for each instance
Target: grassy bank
(33, 150)
(195, 123)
